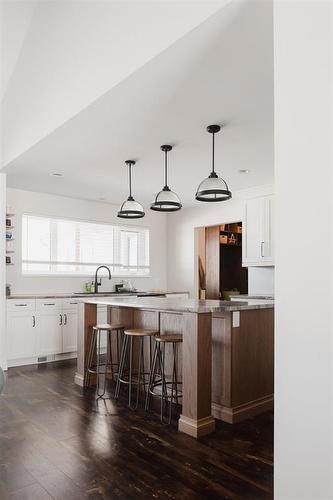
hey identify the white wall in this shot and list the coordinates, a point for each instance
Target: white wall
(303, 288)
(3, 358)
(261, 280)
(181, 265)
(45, 204)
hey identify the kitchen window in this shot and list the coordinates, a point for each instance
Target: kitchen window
(69, 247)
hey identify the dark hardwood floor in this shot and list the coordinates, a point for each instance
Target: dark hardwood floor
(55, 443)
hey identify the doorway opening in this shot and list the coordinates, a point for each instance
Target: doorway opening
(220, 273)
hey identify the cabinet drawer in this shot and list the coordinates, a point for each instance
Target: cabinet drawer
(19, 305)
(48, 304)
(70, 304)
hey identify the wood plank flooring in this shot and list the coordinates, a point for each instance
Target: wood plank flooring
(56, 443)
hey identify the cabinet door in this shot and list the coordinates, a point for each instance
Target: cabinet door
(252, 232)
(49, 333)
(69, 331)
(267, 233)
(258, 241)
(21, 335)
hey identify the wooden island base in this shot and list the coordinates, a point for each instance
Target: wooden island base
(225, 364)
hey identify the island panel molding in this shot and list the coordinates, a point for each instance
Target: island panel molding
(243, 364)
(196, 418)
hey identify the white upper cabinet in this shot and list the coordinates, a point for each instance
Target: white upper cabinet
(258, 232)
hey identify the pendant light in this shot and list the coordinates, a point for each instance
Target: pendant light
(131, 209)
(166, 200)
(213, 188)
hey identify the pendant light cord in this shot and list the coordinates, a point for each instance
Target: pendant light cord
(166, 169)
(213, 152)
(130, 179)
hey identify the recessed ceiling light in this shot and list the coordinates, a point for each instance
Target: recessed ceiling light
(56, 174)
(244, 171)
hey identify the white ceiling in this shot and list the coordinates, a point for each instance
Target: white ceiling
(220, 72)
(60, 56)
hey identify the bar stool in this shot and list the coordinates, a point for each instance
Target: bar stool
(133, 378)
(94, 352)
(158, 363)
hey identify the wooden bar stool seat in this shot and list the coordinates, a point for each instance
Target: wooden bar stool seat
(169, 338)
(108, 327)
(141, 332)
(157, 374)
(95, 365)
(126, 375)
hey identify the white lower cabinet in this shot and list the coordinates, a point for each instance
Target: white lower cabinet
(43, 328)
(49, 333)
(21, 335)
(69, 331)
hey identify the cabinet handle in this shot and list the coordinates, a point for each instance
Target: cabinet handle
(34, 321)
(262, 249)
(21, 305)
(60, 315)
(73, 303)
(65, 319)
(46, 304)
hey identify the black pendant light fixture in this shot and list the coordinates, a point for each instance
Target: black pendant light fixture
(166, 200)
(213, 188)
(130, 209)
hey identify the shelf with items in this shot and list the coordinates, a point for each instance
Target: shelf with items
(9, 237)
(231, 234)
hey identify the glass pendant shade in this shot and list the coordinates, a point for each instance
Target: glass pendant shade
(131, 209)
(166, 200)
(213, 188)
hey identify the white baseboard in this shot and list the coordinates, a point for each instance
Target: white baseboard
(34, 360)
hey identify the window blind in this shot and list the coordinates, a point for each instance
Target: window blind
(61, 246)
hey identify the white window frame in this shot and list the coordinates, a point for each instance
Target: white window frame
(103, 272)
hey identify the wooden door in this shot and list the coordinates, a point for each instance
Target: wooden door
(213, 262)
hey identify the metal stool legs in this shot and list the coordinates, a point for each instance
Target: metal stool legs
(158, 369)
(138, 378)
(99, 368)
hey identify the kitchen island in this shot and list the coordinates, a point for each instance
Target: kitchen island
(227, 352)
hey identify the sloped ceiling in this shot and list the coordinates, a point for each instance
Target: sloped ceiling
(73, 52)
(221, 71)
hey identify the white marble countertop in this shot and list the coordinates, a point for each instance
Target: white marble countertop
(253, 297)
(176, 304)
(79, 295)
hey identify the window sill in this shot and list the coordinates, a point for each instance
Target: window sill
(76, 275)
